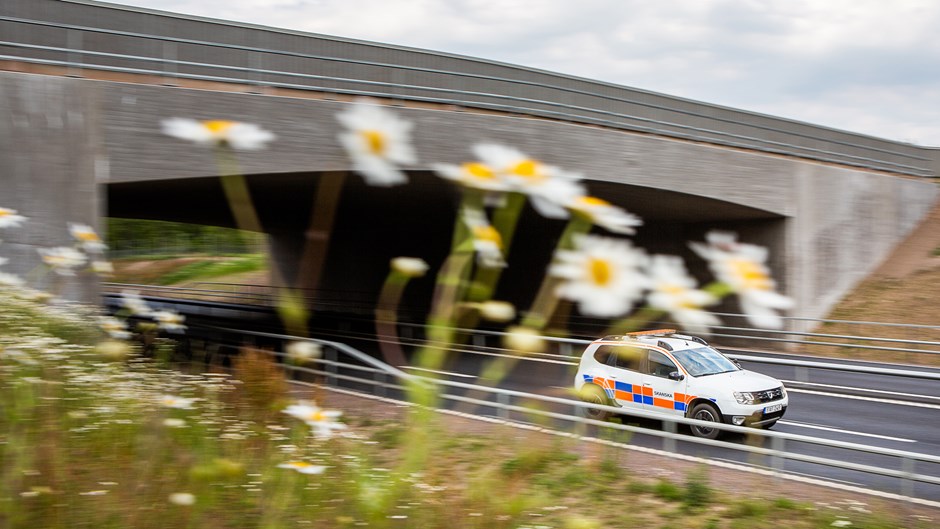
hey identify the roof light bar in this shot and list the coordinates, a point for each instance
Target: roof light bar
(654, 332)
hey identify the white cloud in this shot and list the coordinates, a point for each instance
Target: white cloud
(862, 65)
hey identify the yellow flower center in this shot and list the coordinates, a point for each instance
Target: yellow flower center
(751, 274)
(672, 289)
(375, 141)
(601, 271)
(299, 464)
(528, 169)
(87, 236)
(488, 234)
(479, 171)
(316, 416)
(4, 212)
(591, 202)
(218, 127)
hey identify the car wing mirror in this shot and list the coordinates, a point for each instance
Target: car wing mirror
(675, 375)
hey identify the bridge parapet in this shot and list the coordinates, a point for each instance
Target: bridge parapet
(83, 35)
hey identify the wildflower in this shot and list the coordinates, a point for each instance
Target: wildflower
(62, 260)
(9, 218)
(606, 215)
(741, 267)
(10, 280)
(169, 321)
(602, 274)
(524, 339)
(409, 266)
(173, 422)
(303, 467)
(182, 498)
(841, 523)
(487, 242)
(115, 328)
(234, 134)
(497, 310)
(87, 239)
(378, 142)
(303, 352)
(132, 301)
(323, 422)
(673, 291)
(113, 350)
(178, 403)
(477, 175)
(549, 187)
(103, 268)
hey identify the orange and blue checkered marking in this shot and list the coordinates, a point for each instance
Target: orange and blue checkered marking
(639, 394)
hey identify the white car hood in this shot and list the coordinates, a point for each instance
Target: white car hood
(743, 380)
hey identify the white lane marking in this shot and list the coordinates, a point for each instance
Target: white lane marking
(883, 392)
(445, 373)
(850, 432)
(869, 399)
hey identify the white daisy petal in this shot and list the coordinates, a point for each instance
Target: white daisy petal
(602, 275)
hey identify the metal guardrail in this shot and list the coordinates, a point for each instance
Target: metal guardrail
(487, 84)
(381, 378)
(248, 294)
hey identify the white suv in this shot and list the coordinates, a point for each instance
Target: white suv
(675, 374)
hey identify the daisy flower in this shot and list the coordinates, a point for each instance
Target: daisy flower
(237, 135)
(178, 403)
(500, 311)
(409, 266)
(742, 267)
(132, 301)
(169, 321)
(524, 340)
(476, 175)
(602, 275)
(182, 498)
(62, 260)
(378, 142)
(87, 239)
(323, 422)
(103, 268)
(10, 280)
(115, 328)
(673, 291)
(9, 218)
(303, 467)
(606, 215)
(303, 352)
(487, 242)
(548, 187)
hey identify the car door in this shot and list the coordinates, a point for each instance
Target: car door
(624, 380)
(662, 390)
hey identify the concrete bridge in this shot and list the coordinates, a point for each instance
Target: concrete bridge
(85, 85)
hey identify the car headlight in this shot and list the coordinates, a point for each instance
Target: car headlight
(746, 397)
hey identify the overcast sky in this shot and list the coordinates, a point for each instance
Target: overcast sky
(868, 66)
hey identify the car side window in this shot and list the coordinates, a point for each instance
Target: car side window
(603, 355)
(620, 356)
(660, 365)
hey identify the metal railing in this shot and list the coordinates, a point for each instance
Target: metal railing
(382, 379)
(461, 81)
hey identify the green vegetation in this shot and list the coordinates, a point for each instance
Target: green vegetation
(210, 269)
(95, 434)
(158, 239)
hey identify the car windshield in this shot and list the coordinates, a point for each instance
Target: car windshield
(704, 361)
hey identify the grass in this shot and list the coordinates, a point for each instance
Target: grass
(213, 269)
(86, 442)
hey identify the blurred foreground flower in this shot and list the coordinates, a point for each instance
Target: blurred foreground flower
(9, 218)
(606, 215)
(169, 321)
(602, 275)
(115, 328)
(62, 260)
(409, 266)
(182, 498)
(476, 175)
(87, 239)
(500, 311)
(303, 467)
(303, 352)
(549, 187)
(10, 280)
(673, 291)
(237, 135)
(132, 301)
(323, 422)
(104, 268)
(378, 142)
(524, 340)
(742, 267)
(487, 242)
(179, 403)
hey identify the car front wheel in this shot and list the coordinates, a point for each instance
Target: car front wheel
(595, 395)
(705, 412)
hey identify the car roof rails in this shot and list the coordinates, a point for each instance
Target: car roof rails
(692, 338)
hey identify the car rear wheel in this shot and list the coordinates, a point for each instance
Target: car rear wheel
(595, 395)
(705, 412)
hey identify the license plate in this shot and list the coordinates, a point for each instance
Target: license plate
(771, 409)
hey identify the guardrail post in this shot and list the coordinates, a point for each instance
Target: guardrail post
(330, 366)
(669, 443)
(802, 374)
(380, 380)
(479, 340)
(169, 63)
(907, 483)
(74, 56)
(776, 461)
(565, 349)
(503, 400)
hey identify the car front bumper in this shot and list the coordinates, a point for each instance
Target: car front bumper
(756, 419)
